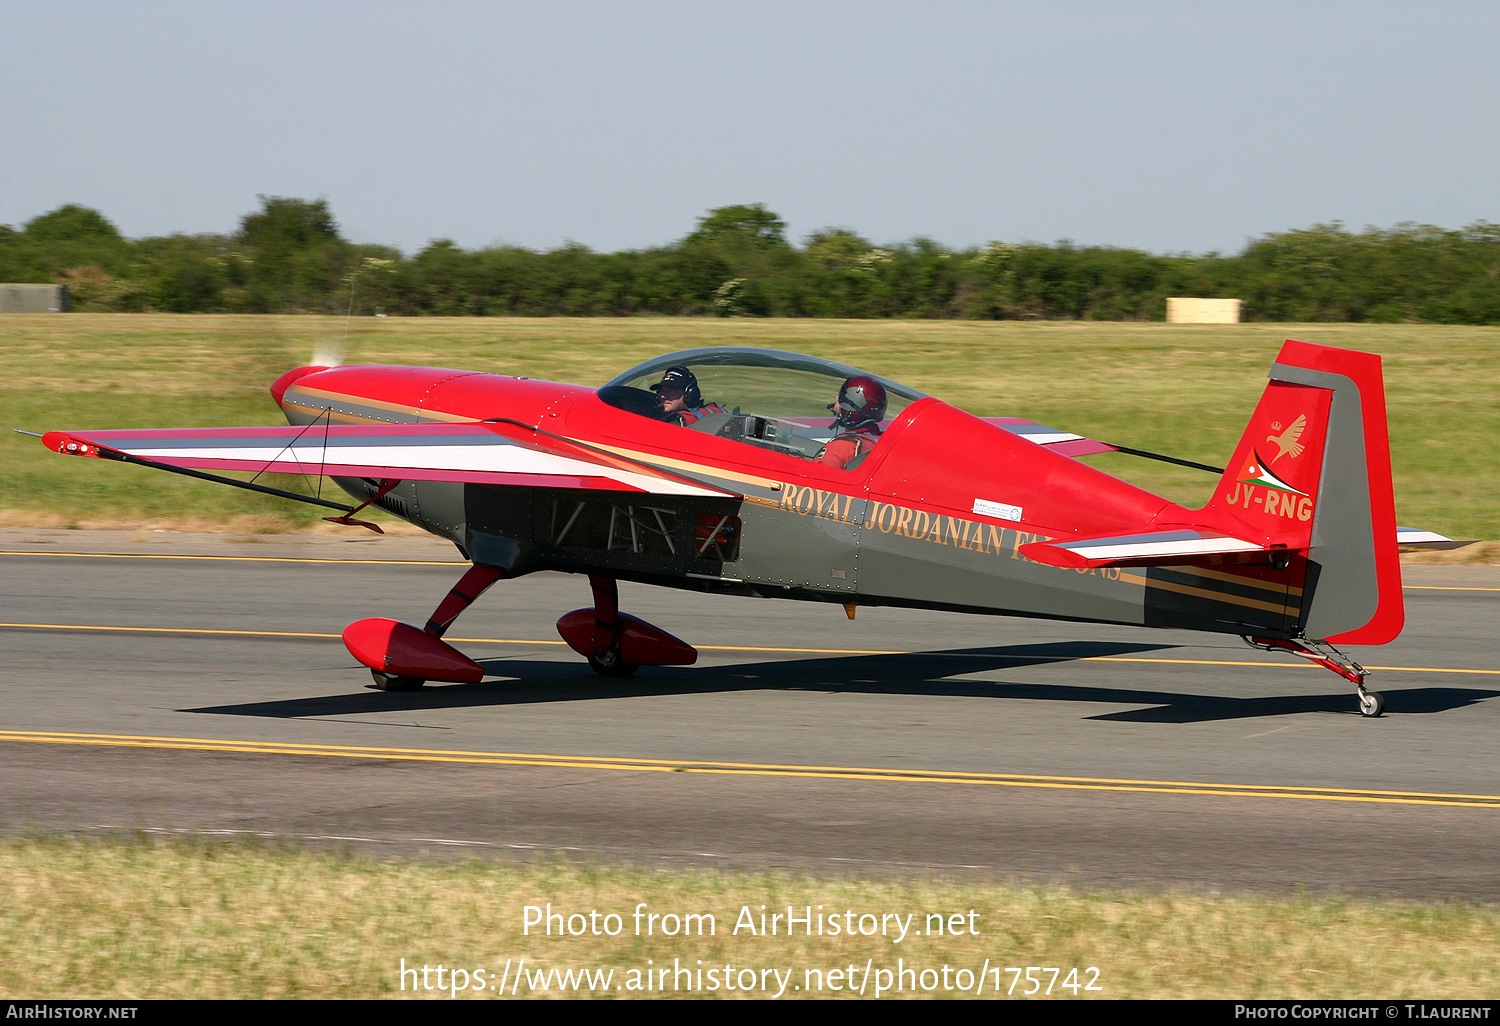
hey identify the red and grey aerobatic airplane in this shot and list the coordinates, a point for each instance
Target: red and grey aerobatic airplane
(740, 493)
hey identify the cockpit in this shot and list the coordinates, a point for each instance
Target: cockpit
(763, 397)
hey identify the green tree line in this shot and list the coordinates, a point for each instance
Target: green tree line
(289, 257)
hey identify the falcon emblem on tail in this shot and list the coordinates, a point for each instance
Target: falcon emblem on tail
(1287, 440)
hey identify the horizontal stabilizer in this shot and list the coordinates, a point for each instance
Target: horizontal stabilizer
(1149, 548)
(1412, 539)
(1064, 442)
(485, 453)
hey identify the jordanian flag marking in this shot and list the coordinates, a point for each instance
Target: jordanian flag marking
(1256, 472)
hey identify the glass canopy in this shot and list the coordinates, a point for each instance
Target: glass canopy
(764, 381)
(774, 399)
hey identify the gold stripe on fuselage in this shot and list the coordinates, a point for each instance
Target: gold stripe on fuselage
(695, 468)
(1249, 582)
(378, 404)
(322, 412)
(1214, 596)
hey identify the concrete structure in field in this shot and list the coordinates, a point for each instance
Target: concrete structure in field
(1203, 311)
(33, 298)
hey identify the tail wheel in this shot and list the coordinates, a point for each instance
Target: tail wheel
(1371, 703)
(392, 682)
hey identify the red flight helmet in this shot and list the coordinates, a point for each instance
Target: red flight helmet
(861, 402)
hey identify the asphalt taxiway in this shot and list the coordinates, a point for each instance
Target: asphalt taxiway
(196, 684)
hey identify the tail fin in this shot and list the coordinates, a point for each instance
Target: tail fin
(1312, 472)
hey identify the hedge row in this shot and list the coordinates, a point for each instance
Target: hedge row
(289, 257)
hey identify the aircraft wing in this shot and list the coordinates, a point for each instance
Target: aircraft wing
(1065, 442)
(481, 453)
(1414, 539)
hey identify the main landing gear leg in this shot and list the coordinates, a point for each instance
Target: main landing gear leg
(474, 583)
(616, 644)
(1371, 703)
(605, 658)
(402, 658)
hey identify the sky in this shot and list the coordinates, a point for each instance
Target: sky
(1165, 126)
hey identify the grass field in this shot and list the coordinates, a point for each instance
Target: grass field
(135, 920)
(1186, 390)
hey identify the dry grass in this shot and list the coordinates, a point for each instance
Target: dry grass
(138, 920)
(1182, 389)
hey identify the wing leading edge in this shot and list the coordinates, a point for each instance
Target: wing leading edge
(481, 453)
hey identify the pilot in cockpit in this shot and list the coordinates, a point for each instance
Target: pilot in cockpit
(679, 400)
(860, 409)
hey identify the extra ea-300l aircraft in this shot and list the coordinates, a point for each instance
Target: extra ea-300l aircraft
(721, 470)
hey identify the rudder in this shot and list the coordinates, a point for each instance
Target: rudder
(1312, 472)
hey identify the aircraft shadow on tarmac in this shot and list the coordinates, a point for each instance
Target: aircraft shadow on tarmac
(537, 681)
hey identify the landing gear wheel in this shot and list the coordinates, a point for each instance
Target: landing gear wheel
(391, 682)
(611, 665)
(1371, 703)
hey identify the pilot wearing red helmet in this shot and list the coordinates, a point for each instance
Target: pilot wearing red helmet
(678, 400)
(860, 409)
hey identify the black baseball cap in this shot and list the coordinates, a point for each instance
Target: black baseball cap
(676, 377)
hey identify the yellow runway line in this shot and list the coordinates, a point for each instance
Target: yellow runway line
(749, 648)
(888, 775)
(1441, 587)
